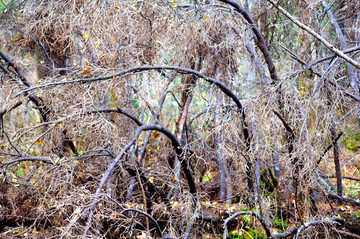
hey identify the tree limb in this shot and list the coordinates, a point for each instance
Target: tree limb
(260, 218)
(350, 70)
(346, 177)
(329, 147)
(316, 35)
(117, 110)
(260, 41)
(345, 199)
(33, 159)
(182, 70)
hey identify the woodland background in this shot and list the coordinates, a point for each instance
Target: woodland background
(179, 119)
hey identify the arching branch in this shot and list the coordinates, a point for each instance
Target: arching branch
(181, 70)
(260, 39)
(117, 110)
(178, 149)
(33, 159)
(175, 143)
(260, 218)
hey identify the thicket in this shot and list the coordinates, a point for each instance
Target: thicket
(179, 119)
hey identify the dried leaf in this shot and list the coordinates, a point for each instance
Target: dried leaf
(86, 70)
(151, 179)
(85, 36)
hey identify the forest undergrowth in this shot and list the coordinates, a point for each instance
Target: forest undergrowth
(179, 119)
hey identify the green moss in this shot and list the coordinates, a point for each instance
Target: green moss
(280, 224)
(267, 179)
(245, 234)
(352, 141)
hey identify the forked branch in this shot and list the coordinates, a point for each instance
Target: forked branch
(315, 34)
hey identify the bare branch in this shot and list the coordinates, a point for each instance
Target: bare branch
(17, 69)
(329, 147)
(33, 159)
(314, 223)
(353, 235)
(308, 66)
(316, 35)
(287, 233)
(260, 218)
(117, 110)
(350, 70)
(345, 177)
(260, 39)
(251, 49)
(345, 199)
(286, 125)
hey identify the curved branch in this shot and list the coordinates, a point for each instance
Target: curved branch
(139, 211)
(117, 110)
(294, 229)
(287, 233)
(174, 142)
(145, 214)
(260, 39)
(34, 159)
(260, 218)
(45, 160)
(353, 235)
(313, 223)
(108, 172)
(182, 70)
(178, 149)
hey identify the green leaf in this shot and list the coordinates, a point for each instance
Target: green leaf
(206, 178)
(135, 103)
(20, 172)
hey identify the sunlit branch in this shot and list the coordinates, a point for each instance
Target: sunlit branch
(315, 34)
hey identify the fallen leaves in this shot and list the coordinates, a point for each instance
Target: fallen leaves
(85, 37)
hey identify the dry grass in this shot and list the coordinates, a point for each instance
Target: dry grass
(109, 36)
